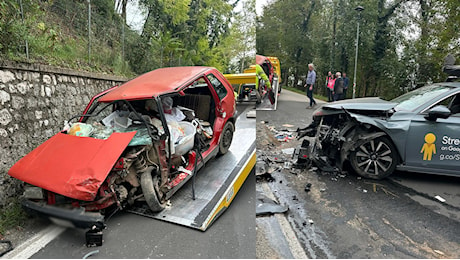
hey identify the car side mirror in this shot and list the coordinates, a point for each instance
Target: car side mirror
(438, 112)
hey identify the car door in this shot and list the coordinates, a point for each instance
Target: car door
(434, 146)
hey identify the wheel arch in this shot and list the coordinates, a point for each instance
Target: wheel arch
(361, 133)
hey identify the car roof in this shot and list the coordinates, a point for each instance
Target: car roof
(155, 83)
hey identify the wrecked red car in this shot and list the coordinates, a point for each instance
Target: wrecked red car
(136, 143)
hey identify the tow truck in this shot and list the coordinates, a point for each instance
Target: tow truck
(168, 145)
(244, 83)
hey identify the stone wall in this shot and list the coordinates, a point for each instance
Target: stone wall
(34, 102)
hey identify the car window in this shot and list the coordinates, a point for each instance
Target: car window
(218, 86)
(454, 105)
(412, 100)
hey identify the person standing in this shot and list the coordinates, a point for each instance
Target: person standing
(309, 83)
(338, 87)
(345, 85)
(328, 88)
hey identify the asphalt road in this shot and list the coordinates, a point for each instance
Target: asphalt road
(346, 216)
(127, 235)
(131, 236)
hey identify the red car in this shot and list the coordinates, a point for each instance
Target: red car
(136, 143)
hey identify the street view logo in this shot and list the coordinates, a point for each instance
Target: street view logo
(429, 148)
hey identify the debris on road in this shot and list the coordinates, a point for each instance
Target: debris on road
(288, 151)
(90, 254)
(441, 199)
(438, 252)
(284, 136)
(265, 177)
(5, 247)
(251, 114)
(267, 206)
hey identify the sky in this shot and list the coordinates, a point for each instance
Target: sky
(260, 5)
(134, 17)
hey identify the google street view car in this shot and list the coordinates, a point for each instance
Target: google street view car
(418, 131)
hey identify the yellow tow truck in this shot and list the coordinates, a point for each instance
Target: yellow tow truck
(244, 83)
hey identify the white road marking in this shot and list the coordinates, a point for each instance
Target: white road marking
(35, 243)
(294, 244)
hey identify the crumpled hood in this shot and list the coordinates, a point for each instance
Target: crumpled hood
(70, 165)
(372, 103)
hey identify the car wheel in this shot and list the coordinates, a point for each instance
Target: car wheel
(226, 138)
(149, 186)
(375, 159)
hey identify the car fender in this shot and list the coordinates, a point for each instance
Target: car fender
(395, 130)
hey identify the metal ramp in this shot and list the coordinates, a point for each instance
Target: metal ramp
(216, 184)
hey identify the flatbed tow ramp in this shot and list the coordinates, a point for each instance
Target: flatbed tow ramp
(216, 184)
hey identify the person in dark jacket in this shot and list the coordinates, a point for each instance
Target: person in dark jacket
(346, 82)
(338, 87)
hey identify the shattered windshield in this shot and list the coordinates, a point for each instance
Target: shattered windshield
(410, 101)
(121, 117)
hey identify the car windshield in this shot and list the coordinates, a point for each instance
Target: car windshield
(412, 100)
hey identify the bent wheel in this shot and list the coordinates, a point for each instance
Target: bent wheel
(149, 186)
(375, 159)
(226, 138)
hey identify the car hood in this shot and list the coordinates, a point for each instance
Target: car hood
(70, 165)
(359, 104)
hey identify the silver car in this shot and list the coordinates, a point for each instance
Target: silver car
(418, 131)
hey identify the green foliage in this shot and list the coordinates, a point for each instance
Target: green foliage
(12, 216)
(175, 33)
(402, 43)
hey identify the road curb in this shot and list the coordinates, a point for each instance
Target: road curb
(289, 234)
(31, 246)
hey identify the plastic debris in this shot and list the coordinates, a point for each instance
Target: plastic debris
(251, 114)
(265, 177)
(295, 171)
(438, 252)
(308, 187)
(277, 160)
(288, 125)
(311, 222)
(284, 136)
(6, 246)
(288, 151)
(364, 190)
(287, 165)
(267, 206)
(441, 199)
(322, 190)
(261, 167)
(90, 254)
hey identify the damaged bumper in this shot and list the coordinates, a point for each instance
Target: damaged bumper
(76, 217)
